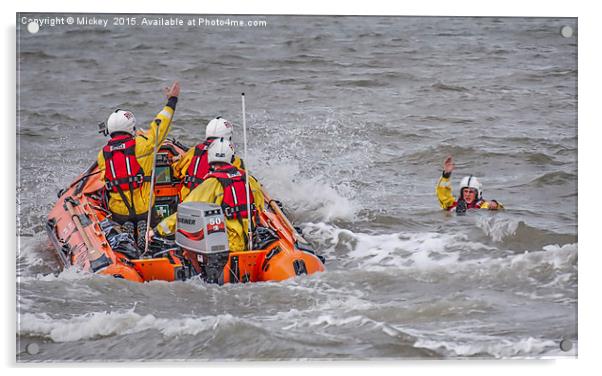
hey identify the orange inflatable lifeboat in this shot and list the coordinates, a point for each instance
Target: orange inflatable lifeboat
(79, 227)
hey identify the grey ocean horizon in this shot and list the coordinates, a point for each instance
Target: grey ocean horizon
(349, 120)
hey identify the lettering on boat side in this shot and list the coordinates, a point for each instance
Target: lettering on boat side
(187, 221)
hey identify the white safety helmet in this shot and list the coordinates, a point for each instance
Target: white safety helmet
(121, 121)
(474, 183)
(220, 150)
(219, 127)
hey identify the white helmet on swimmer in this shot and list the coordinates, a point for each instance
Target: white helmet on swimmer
(220, 150)
(473, 183)
(219, 127)
(121, 121)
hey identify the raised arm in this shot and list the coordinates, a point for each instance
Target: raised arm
(162, 121)
(444, 189)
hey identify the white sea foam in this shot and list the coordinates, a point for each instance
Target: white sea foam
(500, 348)
(401, 250)
(564, 254)
(27, 249)
(557, 257)
(497, 228)
(103, 324)
(440, 253)
(24, 304)
(356, 322)
(464, 341)
(69, 274)
(312, 198)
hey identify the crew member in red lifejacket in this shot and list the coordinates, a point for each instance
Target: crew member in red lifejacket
(471, 192)
(193, 165)
(224, 185)
(127, 161)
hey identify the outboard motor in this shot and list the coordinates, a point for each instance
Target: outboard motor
(201, 230)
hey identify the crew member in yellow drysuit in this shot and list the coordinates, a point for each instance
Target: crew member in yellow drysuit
(223, 185)
(471, 193)
(193, 165)
(127, 162)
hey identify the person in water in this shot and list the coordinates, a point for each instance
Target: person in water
(224, 185)
(127, 161)
(193, 165)
(471, 192)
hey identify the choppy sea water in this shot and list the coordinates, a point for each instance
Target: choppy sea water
(349, 121)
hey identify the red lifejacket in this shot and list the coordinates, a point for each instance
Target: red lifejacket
(234, 203)
(199, 166)
(122, 170)
(476, 204)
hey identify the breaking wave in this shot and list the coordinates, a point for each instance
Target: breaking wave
(308, 199)
(102, 324)
(481, 346)
(440, 255)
